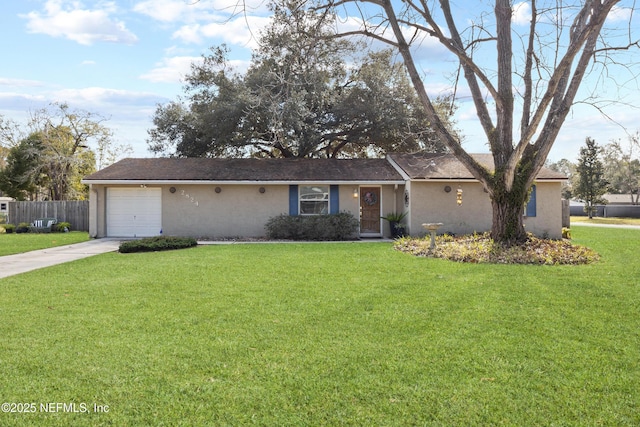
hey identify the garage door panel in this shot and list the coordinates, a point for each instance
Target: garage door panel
(134, 212)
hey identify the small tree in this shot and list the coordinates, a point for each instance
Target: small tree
(591, 182)
(622, 167)
(19, 178)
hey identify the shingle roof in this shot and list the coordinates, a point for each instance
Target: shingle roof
(446, 166)
(206, 169)
(416, 166)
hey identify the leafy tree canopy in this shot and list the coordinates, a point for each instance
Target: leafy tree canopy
(591, 184)
(51, 160)
(305, 94)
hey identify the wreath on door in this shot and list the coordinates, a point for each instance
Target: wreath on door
(370, 198)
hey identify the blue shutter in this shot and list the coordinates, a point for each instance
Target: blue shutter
(334, 199)
(293, 200)
(531, 206)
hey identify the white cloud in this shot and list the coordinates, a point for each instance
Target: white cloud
(62, 18)
(619, 14)
(242, 31)
(168, 10)
(171, 70)
(92, 98)
(189, 34)
(181, 11)
(19, 82)
(521, 13)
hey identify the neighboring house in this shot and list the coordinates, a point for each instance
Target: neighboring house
(616, 206)
(219, 198)
(621, 199)
(4, 207)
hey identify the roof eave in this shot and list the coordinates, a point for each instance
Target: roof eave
(235, 182)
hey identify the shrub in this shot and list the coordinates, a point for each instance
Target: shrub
(9, 228)
(154, 244)
(566, 233)
(62, 227)
(23, 227)
(341, 226)
(479, 248)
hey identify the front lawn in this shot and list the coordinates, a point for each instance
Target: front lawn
(324, 334)
(607, 221)
(16, 243)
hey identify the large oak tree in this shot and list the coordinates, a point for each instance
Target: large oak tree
(305, 94)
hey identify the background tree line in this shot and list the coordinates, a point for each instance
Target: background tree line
(613, 168)
(47, 158)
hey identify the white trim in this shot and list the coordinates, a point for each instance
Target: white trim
(120, 182)
(141, 215)
(474, 180)
(381, 224)
(315, 184)
(398, 169)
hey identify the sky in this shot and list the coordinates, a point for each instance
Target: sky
(122, 58)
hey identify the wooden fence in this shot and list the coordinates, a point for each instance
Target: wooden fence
(74, 212)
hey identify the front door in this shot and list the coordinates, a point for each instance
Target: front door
(370, 210)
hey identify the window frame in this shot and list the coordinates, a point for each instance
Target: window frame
(530, 207)
(326, 199)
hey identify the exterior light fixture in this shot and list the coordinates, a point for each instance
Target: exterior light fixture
(459, 196)
(355, 193)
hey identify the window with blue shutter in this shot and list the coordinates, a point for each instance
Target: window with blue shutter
(531, 206)
(314, 199)
(293, 200)
(334, 199)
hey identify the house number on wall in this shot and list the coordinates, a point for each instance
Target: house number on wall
(406, 198)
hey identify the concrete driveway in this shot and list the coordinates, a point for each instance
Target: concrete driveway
(28, 261)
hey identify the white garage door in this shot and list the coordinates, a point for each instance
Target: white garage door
(134, 212)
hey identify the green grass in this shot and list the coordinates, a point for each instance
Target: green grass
(325, 334)
(14, 243)
(610, 221)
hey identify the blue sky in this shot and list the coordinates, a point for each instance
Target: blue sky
(120, 58)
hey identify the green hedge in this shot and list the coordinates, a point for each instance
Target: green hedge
(341, 226)
(154, 244)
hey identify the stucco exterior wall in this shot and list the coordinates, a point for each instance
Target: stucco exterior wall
(548, 219)
(429, 202)
(238, 210)
(97, 211)
(242, 211)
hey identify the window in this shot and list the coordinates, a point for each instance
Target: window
(3, 207)
(530, 208)
(314, 199)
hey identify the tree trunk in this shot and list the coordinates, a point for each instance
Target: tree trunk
(508, 212)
